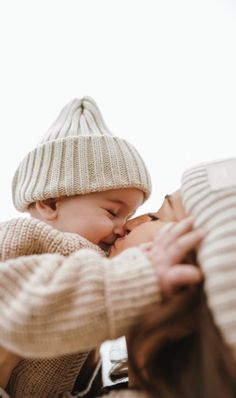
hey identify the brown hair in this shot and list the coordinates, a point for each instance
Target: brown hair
(177, 352)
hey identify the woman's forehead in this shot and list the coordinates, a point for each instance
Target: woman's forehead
(149, 216)
(170, 210)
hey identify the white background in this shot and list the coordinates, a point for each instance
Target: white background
(163, 72)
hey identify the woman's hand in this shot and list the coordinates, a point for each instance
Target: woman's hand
(167, 253)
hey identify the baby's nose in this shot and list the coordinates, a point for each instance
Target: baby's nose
(119, 230)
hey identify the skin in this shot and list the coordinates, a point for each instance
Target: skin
(99, 217)
(143, 229)
(8, 362)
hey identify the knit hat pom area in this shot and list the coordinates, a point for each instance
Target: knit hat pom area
(78, 155)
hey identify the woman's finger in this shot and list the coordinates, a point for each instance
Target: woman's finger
(173, 231)
(180, 276)
(182, 227)
(184, 244)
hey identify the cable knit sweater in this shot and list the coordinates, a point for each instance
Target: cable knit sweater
(59, 306)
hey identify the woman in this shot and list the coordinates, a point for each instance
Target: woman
(188, 348)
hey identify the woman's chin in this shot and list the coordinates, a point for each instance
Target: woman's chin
(112, 251)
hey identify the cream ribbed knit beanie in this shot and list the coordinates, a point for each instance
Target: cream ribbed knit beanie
(78, 155)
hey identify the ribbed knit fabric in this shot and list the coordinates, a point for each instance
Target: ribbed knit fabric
(78, 155)
(26, 236)
(209, 194)
(55, 306)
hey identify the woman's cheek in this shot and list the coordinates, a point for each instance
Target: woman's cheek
(135, 239)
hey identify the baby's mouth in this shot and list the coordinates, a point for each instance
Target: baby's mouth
(115, 242)
(118, 240)
(105, 246)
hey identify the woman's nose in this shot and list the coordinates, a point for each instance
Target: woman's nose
(129, 225)
(134, 222)
(127, 229)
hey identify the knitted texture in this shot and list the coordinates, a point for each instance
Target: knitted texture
(209, 194)
(78, 155)
(26, 236)
(51, 304)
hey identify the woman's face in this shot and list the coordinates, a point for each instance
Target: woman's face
(142, 229)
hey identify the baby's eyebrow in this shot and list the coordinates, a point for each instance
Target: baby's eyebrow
(118, 201)
(153, 216)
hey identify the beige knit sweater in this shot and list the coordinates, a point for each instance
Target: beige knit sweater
(59, 306)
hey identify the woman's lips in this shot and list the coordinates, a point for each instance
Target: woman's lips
(118, 240)
(110, 248)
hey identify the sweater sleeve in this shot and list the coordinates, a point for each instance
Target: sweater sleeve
(209, 194)
(52, 305)
(27, 236)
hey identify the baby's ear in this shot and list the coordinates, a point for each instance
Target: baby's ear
(48, 208)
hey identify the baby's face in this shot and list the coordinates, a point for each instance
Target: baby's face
(99, 217)
(143, 229)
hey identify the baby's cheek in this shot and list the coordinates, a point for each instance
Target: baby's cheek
(106, 224)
